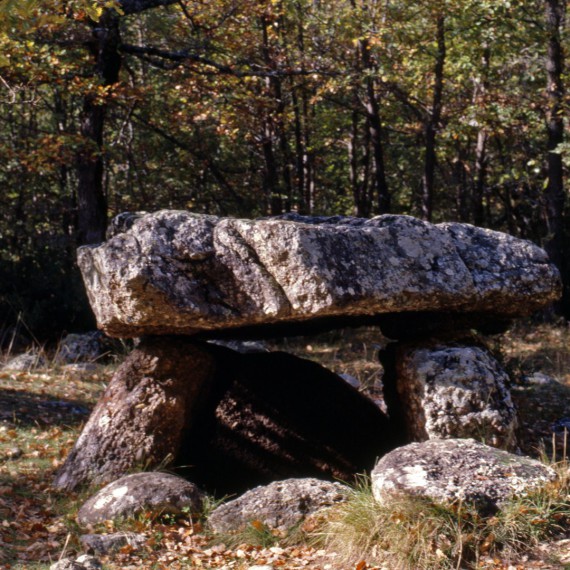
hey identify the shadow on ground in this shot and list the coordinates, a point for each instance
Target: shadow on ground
(544, 419)
(21, 408)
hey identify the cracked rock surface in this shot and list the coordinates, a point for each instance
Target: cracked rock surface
(174, 272)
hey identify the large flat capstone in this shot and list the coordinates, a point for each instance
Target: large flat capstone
(174, 272)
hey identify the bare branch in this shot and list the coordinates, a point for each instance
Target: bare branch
(154, 55)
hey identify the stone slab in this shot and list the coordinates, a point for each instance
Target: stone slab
(175, 272)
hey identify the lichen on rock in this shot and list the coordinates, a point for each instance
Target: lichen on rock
(278, 506)
(451, 470)
(454, 390)
(174, 272)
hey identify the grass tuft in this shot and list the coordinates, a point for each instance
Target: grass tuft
(416, 533)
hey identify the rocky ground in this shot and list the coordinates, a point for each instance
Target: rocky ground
(41, 412)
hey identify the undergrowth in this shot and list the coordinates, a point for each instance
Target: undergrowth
(415, 533)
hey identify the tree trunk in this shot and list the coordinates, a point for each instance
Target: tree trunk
(554, 195)
(374, 125)
(432, 124)
(366, 193)
(304, 173)
(91, 199)
(284, 147)
(460, 178)
(480, 175)
(308, 158)
(359, 166)
(481, 147)
(271, 178)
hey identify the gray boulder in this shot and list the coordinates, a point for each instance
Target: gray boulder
(153, 492)
(25, 362)
(278, 506)
(174, 272)
(103, 544)
(455, 391)
(141, 418)
(85, 347)
(83, 562)
(208, 411)
(448, 470)
(275, 416)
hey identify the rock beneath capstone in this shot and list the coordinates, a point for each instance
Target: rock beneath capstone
(174, 272)
(275, 416)
(107, 543)
(140, 420)
(151, 492)
(448, 470)
(85, 347)
(455, 391)
(226, 421)
(280, 505)
(25, 362)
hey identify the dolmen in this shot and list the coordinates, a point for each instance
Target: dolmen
(230, 420)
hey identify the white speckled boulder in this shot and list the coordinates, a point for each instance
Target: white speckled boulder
(174, 272)
(448, 470)
(455, 391)
(153, 492)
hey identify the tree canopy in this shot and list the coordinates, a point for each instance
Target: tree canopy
(447, 109)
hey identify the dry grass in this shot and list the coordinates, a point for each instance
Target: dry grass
(541, 348)
(414, 533)
(543, 399)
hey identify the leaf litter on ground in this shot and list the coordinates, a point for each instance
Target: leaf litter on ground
(42, 412)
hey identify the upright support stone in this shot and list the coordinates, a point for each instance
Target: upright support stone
(226, 420)
(142, 417)
(277, 416)
(454, 390)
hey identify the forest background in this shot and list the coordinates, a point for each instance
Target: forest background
(442, 109)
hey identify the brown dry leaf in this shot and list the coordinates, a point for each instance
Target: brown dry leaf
(258, 525)
(126, 549)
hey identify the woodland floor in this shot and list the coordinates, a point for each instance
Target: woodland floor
(41, 414)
